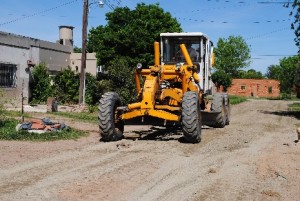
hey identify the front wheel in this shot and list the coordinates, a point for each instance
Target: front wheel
(110, 125)
(191, 117)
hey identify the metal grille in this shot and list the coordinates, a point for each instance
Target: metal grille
(8, 75)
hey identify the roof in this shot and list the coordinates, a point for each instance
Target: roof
(185, 34)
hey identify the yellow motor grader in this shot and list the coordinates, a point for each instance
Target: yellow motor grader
(177, 90)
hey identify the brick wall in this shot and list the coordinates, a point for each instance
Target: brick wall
(255, 88)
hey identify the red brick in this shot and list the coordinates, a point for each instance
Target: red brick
(37, 126)
(255, 88)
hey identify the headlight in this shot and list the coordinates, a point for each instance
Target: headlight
(178, 65)
(139, 66)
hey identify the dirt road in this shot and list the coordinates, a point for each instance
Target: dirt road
(254, 158)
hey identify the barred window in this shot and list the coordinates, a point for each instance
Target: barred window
(8, 76)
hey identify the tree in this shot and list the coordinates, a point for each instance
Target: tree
(76, 49)
(122, 79)
(287, 72)
(131, 33)
(250, 74)
(92, 91)
(274, 72)
(232, 55)
(41, 85)
(289, 67)
(66, 84)
(296, 24)
(128, 39)
(220, 78)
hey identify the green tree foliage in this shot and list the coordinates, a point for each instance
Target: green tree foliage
(250, 74)
(274, 72)
(66, 84)
(296, 24)
(131, 33)
(41, 85)
(287, 72)
(77, 50)
(121, 79)
(128, 39)
(93, 90)
(220, 78)
(232, 55)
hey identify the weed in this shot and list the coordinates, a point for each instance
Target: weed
(82, 116)
(236, 99)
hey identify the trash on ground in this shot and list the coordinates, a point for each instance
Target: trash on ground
(41, 126)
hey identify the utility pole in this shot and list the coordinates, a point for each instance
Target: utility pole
(83, 51)
(86, 5)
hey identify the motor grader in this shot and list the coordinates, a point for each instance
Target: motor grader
(176, 90)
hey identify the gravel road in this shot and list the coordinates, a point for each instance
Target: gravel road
(256, 157)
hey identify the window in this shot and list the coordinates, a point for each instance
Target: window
(243, 87)
(270, 90)
(8, 76)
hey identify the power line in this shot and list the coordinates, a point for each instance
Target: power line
(112, 3)
(239, 4)
(225, 22)
(268, 33)
(38, 13)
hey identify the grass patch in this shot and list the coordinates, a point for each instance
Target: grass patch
(236, 99)
(8, 132)
(294, 107)
(83, 116)
(15, 114)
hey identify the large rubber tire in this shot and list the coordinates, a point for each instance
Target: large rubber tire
(191, 117)
(218, 105)
(110, 125)
(227, 109)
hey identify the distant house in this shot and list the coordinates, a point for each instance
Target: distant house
(19, 55)
(255, 88)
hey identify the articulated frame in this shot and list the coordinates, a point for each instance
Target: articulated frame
(163, 103)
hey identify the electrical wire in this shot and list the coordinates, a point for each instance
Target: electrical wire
(268, 33)
(225, 22)
(38, 13)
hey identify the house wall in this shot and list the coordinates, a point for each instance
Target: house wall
(16, 53)
(255, 88)
(18, 50)
(91, 62)
(54, 55)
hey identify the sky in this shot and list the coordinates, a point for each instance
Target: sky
(264, 24)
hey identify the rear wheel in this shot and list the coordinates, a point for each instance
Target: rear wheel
(227, 109)
(191, 117)
(218, 106)
(110, 125)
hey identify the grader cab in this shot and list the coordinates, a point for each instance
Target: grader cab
(177, 90)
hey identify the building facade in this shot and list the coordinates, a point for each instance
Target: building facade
(255, 88)
(19, 55)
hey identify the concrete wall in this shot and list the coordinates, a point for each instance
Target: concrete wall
(17, 55)
(18, 50)
(255, 88)
(91, 62)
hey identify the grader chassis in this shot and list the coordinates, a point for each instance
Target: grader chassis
(177, 90)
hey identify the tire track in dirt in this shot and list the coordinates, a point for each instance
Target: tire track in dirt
(224, 166)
